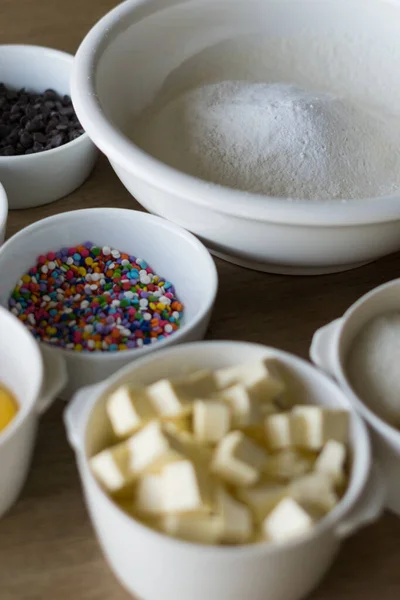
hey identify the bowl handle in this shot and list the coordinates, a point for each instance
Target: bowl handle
(73, 416)
(322, 349)
(369, 507)
(54, 378)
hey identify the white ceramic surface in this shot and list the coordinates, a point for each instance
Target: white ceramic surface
(41, 178)
(169, 250)
(35, 379)
(111, 80)
(329, 350)
(153, 566)
(3, 213)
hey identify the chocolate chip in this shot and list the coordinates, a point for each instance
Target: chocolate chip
(50, 95)
(67, 111)
(26, 140)
(39, 137)
(32, 122)
(57, 140)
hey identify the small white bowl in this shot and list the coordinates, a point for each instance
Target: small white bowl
(329, 350)
(153, 566)
(36, 179)
(35, 380)
(3, 213)
(169, 250)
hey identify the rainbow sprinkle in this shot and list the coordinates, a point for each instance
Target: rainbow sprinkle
(91, 298)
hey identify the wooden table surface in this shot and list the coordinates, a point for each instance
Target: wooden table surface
(47, 547)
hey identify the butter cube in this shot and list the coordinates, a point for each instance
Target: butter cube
(111, 467)
(166, 400)
(314, 491)
(288, 520)
(200, 528)
(278, 431)
(261, 499)
(199, 384)
(313, 426)
(236, 518)
(211, 421)
(152, 448)
(149, 495)
(262, 378)
(238, 460)
(286, 465)
(245, 410)
(128, 410)
(331, 461)
(186, 487)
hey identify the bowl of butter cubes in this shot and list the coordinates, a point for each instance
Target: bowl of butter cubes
(222, 470)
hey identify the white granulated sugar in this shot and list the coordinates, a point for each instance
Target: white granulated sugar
(276, 139)
(373, 366)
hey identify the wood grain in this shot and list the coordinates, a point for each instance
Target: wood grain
(47, 547)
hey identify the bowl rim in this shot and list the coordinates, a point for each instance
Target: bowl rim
(343, 508)
(39, 50)
(120, 149)
(3, 206)
(203, 254)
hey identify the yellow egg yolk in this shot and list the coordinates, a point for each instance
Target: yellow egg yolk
(8, 407)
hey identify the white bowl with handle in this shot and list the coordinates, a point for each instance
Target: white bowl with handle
(112, 83)
(35, 378)
(153, 566)
(329, 351)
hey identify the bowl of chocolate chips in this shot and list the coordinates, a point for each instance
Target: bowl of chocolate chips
(45, 153)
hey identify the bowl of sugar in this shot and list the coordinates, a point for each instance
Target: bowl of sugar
(269, 129)
(361, 350)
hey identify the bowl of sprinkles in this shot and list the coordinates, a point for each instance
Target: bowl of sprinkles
(105, 286)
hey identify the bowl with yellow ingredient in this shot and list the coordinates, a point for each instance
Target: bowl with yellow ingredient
(222, 470)
(29, 381)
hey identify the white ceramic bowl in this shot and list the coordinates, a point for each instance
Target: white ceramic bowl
(111, 82)
(36, 179)
(169, 250)
(35, 379)
(3, 213)
(329, 350)
(153, 566)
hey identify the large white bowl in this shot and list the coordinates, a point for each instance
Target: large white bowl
(153, 566)
(170, 251)
(36, 179)
(125, 59)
